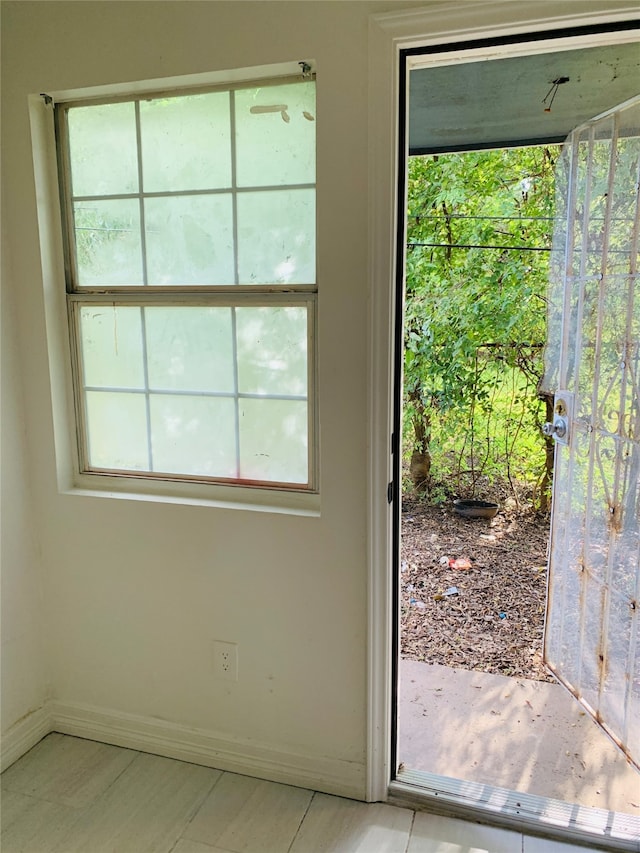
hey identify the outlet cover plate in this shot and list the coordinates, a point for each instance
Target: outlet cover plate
(225, 660)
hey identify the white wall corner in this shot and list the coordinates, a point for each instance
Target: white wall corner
(24, 734)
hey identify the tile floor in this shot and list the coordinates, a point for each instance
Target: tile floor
(69, 795)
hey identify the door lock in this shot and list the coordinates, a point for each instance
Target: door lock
(559, 427)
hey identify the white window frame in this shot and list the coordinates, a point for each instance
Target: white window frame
(62, 298)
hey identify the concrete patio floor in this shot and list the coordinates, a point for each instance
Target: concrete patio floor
(528, 736)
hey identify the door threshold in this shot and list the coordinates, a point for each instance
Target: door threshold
(528, 813)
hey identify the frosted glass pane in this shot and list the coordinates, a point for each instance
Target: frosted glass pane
(190, 349)
(193, 435)
(622, 258)
(276, 135)
(619, 643)
(186, 142)
(594, 596)
(272, 350)
(277, 237)
(189, 240)
(273, 440)
(111, 339)
(102, 142)
(633, 722)
(117, 429)
(108, 246)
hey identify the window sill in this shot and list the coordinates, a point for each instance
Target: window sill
(196, 494)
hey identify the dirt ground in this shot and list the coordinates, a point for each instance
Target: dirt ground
(484, 612)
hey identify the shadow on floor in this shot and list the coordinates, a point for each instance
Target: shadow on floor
(527, 736)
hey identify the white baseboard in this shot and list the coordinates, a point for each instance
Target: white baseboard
(24, 734)
(330, 775)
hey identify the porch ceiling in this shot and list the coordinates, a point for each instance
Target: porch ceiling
(497, 103)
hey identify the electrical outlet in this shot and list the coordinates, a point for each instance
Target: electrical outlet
(225, 660)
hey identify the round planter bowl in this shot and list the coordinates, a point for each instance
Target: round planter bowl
(475, 509)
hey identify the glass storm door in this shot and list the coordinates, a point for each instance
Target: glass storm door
(592, 635)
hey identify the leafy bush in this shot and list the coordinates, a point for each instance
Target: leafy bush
(479, 232)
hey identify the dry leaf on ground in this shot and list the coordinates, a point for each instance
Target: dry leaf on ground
(494, 621)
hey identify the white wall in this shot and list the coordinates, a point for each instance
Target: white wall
(24, 673)
(136, 592)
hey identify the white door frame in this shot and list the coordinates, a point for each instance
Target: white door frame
(436, 23)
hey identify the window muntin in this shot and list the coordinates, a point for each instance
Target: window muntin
(206, 203)
(221, 186)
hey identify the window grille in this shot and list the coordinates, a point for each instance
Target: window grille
(191, 283)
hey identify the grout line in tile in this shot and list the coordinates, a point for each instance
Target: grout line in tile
(306, 812)
(200, 805)
(47, 800)
(136, 755)
(413, 820)
(79, 809)
(76, 811)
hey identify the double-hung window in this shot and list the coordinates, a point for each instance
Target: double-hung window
(191, 283)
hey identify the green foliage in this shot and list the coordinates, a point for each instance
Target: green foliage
(475, 317)
(97, 228)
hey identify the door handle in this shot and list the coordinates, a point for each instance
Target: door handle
(559, 428)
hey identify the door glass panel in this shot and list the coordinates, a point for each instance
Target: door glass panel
(618, 636)
(591, 631)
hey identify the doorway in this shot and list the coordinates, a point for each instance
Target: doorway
(454, 796)
(472, 590)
